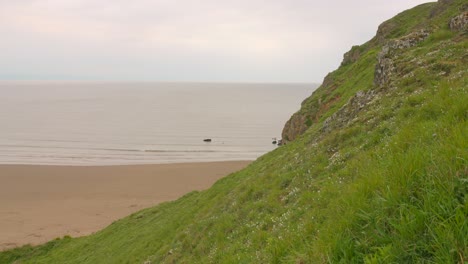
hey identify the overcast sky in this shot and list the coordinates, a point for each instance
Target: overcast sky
(184, 40)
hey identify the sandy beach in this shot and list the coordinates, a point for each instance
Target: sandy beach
(40, 203)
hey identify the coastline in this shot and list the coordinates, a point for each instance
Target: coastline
(41, 202)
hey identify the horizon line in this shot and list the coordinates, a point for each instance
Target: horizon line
(156, 81)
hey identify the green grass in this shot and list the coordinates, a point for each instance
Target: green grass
(390, 186)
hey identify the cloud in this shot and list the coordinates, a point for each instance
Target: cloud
(259, 37)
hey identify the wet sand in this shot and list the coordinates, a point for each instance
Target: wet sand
(40, 203)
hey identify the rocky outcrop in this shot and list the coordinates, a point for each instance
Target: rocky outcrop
(349, 111)
(460, 22)
(384, 30)
(408, 41)
(385, 65)
(302, 120)
(384, 70)
(313, 107)
(295, 127)
(351, 56)
(327, 81)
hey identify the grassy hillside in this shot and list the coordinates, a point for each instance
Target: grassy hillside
(380, 175)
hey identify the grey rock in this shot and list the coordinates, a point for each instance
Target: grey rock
(460, 22)
(349, 111)
(384, 68)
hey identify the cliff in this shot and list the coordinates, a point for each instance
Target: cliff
(393, 36)
(375, 171)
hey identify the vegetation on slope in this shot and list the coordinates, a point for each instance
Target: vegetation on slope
(380, 176)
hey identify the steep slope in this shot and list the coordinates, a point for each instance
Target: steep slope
(376, 170)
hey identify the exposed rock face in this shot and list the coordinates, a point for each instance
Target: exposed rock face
(295, 127)
(349, 111)
(408, 41)
(384, 71)
(351, 56)
(301, 121)
(327, 81)
(385, 68)
(383, 30)
(460, 22)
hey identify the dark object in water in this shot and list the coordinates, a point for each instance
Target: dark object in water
(274, 142)
(207, 140)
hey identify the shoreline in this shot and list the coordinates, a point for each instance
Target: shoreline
(39, 203)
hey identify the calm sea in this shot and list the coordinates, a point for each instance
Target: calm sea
(102, 123)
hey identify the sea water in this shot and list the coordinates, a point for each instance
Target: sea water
(106, 123)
